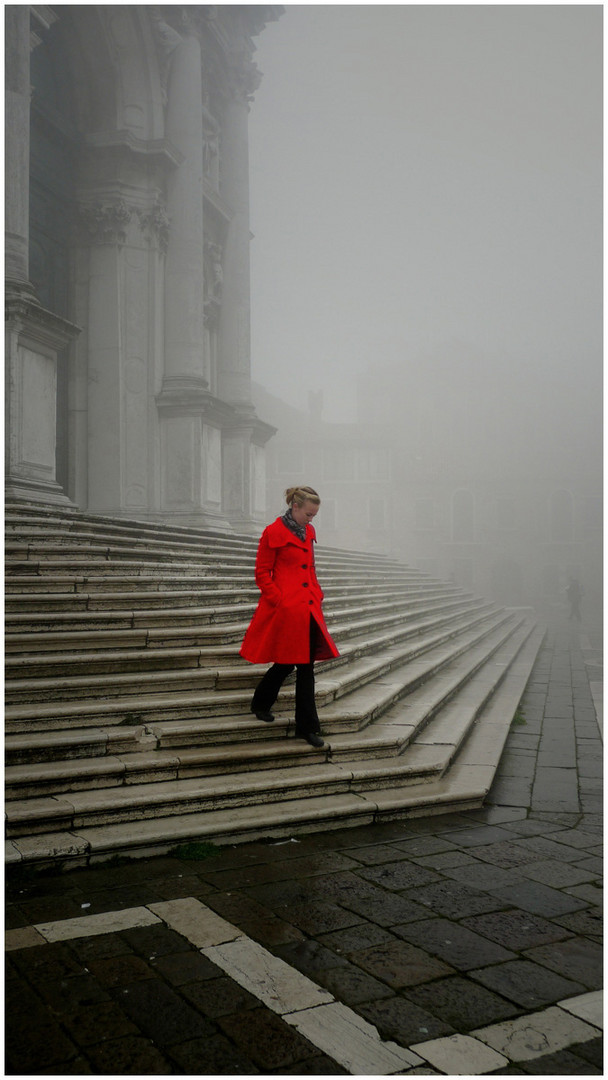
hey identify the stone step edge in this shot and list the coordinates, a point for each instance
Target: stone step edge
(465, 786)
(17, 509)
(392, 740)
(350, 650)
(54, 642)
(231, 698)
(205, 598)
(205, 615)
(43, 551)
(163, 536)
(148, 738)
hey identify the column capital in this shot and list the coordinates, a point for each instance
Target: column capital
(106, 221)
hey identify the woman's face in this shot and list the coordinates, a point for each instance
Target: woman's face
(303, 514)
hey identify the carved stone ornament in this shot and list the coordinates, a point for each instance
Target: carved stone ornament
(246, 76)
(106, 223)
(214, 253)
(167, 39)
(156, 222)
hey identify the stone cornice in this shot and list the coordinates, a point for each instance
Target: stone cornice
(215, 201)
(106, 220)
(160, 150)
(37, 323)
(189, 397)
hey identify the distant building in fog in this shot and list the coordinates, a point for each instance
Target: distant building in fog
(350, 465)
(494, 486)
(127, 248)
(426, 484)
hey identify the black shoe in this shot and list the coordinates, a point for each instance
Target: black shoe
(310, 737)
(263, 715)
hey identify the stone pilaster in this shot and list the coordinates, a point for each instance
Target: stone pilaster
(184, 309)
(234, 374)
(34, 337)
(17, 147)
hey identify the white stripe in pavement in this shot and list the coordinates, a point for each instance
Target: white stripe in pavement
(333, 1028)
(107, 922)
(537, 1034)
(329, 1025)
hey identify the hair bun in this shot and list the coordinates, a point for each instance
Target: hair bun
(301, 494)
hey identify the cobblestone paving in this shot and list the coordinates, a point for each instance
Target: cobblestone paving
(454, 937)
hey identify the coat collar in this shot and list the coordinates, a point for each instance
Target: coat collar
(278, 535)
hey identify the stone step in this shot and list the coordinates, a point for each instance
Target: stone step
(182, 713)
(131, 724)
(160, 549)
(31, 603)
(431, 740)
(41, 622)
(107, 529)
(191, 671)
(26, 669)
(145, 587)
(146, 818)
(202, 634)
(87, 528)
(51, 565)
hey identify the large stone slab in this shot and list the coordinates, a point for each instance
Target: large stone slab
(108, 922)
(351, 1041)
(537, 1034)
(459, 1055)
(195, 921)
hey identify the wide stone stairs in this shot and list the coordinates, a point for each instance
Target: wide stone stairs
(128, 727)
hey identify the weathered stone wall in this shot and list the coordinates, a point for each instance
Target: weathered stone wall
(152, 408)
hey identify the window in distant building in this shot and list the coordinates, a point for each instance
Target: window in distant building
(562, 516)
(463, 517)
(327, 516)
(550, 580)
(505, 513)
(425, 514)
(593, 513)
(374, 464)
(463, 573)
(290, 460)
(377, 513)
(339, 463)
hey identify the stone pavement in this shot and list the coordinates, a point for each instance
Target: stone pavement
(463, 944)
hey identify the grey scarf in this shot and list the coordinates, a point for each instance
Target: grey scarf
(298, 530)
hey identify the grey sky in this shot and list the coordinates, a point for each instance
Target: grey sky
(425, 178)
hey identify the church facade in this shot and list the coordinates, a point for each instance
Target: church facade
(128, 386)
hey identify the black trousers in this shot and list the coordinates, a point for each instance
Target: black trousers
(267, 690)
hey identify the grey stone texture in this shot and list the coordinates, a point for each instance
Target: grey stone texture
(427, 929)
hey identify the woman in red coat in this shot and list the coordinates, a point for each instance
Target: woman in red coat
(288, 628)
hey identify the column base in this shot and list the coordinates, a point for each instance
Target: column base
(36, 491)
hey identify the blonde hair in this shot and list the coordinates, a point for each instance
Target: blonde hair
(300, 495)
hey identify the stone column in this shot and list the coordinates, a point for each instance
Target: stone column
(34, 337)
(245, 437)
(184, 311)
(17, 147)
(234, 383)
(188, 488)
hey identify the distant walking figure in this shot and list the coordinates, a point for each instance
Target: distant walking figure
(575, 593)
(288, 628)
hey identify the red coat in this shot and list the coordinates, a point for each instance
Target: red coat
(279, 632)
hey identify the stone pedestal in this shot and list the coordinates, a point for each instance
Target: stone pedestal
(34, 337)
(17, 147)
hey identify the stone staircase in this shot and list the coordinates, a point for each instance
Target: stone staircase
(127, 705)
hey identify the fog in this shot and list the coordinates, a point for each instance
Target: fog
(427, 256)
(427, 180)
